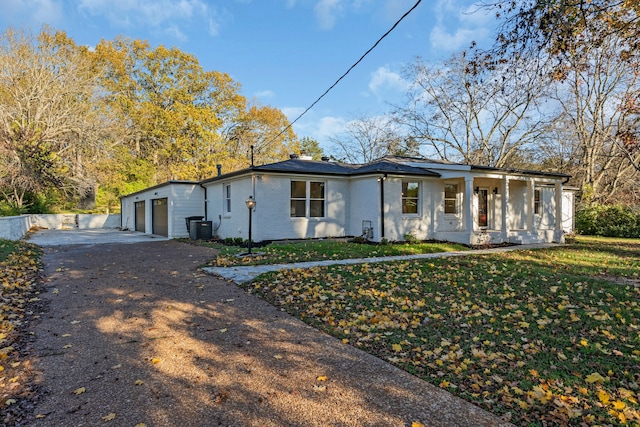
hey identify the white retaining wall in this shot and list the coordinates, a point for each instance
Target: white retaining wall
(15, 227)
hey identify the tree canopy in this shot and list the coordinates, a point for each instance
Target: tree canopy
(119, 117)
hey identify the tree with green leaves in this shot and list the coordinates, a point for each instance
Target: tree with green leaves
(311, 147)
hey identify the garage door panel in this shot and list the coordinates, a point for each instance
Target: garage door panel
(140, 217)
(160, 217)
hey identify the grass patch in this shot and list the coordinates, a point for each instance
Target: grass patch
(7, 247)
(319, 250)
(535, 336)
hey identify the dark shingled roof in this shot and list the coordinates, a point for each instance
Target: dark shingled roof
(384, 165)
(298, 166)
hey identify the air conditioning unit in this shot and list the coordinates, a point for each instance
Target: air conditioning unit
(200, 230)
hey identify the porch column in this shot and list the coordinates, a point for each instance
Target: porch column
(529, 205)
(504, 205)
(558, 196)
(468, 204)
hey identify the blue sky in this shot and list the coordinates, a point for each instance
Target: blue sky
(284, 53)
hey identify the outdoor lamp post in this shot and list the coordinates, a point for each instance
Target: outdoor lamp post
(251, 204)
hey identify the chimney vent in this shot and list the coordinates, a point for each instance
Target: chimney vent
(293, 156)
(325, 158)
(219, 167)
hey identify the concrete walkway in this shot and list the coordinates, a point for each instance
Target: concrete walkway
(242, 274)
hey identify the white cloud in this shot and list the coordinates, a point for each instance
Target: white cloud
(292, 112)
(329, 126)
(458, 23)
(265, 94)
(174, 31)
(443, 40)
(322, 129)
(34, 12)
(326, 11)
(384, 80)
(172, 15)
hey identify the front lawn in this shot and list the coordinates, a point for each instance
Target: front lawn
(7, 247)
(538, 337)
(319, 250)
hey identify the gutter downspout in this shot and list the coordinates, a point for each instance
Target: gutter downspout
(206, 217)
(382, 180)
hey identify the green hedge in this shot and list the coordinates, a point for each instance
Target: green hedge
(609, 221)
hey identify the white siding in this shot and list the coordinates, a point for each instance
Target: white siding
(364, 202)
(272, 216)
(568, 211)
(235, 223)
(184, 199)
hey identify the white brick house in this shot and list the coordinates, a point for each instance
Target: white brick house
(389, 198)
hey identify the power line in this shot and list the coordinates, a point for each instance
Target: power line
(346, 72)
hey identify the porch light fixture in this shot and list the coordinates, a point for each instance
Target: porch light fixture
(495, 190)
(476, 190)
(251, 204)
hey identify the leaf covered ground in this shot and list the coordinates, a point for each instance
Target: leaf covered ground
(19, 274)
(544, 337)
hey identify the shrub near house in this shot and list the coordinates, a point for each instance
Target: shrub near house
(609, 221)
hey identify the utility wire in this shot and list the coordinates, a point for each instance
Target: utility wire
(346, 72)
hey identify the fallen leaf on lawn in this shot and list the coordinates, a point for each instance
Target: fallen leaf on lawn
(141, 425)
(79, 390)
(319, 387)
(66, 335)
(396, 347)
(619, 405)
(75, 322)
(417, 424)
(223, 330)
(10, 402)
(109, 417)
(277, 356)
(322, 378)
(138, 382)
(41, 415)
(156, 360)
(594, 378)
(68, 346)
(118, 366)
(6, 350)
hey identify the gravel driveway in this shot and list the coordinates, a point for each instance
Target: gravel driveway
(136, 334)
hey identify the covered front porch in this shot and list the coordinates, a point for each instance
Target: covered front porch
(500, 208)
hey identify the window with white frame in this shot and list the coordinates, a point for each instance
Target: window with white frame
(451, 199)
(307, 199)
(410, 197)
(536, 202)
(227, 198)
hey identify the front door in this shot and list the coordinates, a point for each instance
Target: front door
(483, 207)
